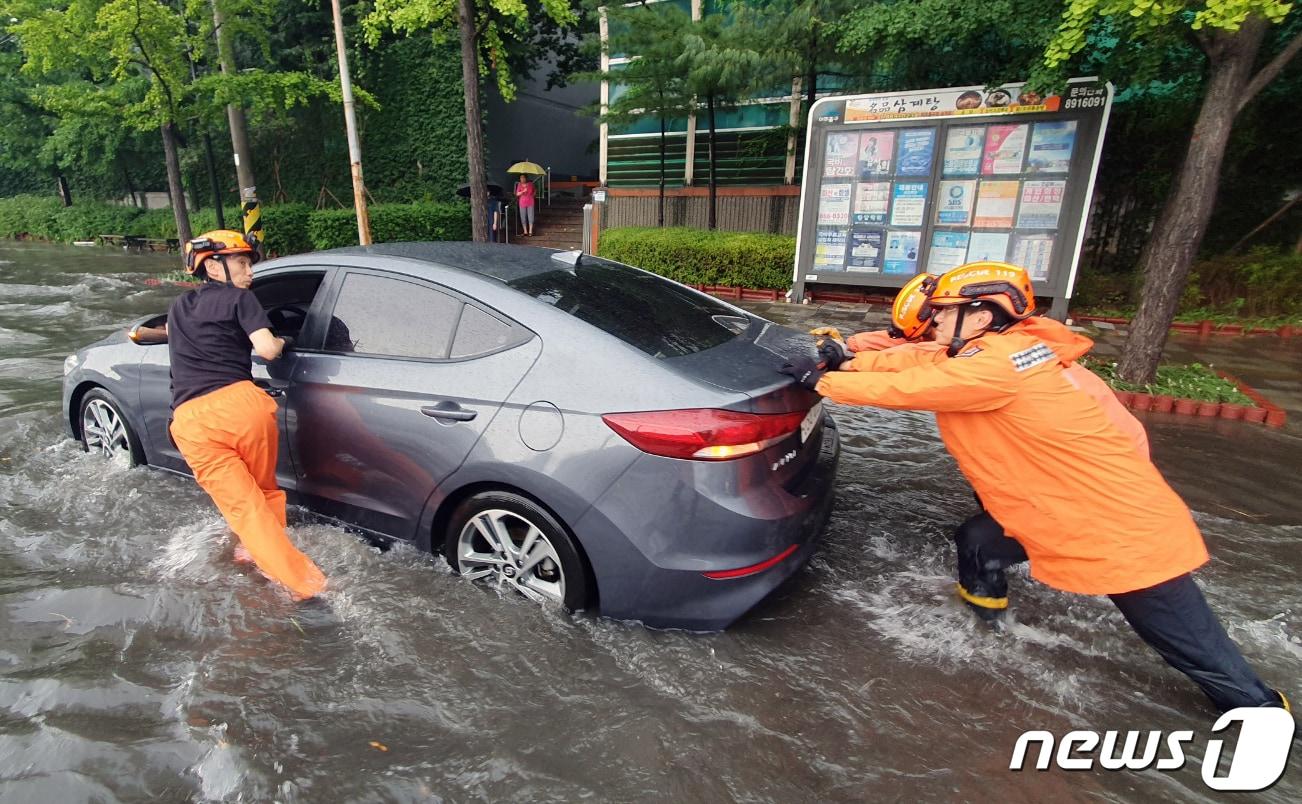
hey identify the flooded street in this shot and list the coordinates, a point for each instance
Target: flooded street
(139, 662)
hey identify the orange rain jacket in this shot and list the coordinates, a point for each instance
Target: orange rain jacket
(1081, 377)
(1049, 464)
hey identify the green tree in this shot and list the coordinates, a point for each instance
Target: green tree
(134, 53)
(720, 64)
(653, 83)
(486, 31)
(1229, 34)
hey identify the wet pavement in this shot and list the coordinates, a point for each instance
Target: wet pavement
(139, 662)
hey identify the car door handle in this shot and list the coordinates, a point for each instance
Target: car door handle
(271, 387)
(450, 411)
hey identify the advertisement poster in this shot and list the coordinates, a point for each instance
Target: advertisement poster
(1005, 147)
(902, 253)
(954, 203)
(875, 151)
(1051, 147)
(916, 146)
(871, 200)
(948, 250)
(830, 252)
(841, 154)
(1041, 204)
(834, 205)
(909, 204)
(865, 251)
(963, 151)
(988, 246)
(994, 207)
(1032, 252)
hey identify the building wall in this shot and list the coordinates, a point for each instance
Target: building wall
(547, 126)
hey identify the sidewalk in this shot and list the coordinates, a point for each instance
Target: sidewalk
(1268, 363)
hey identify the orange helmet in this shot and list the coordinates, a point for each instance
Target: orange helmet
(218, 242)
(911, 314)
(1008, 286)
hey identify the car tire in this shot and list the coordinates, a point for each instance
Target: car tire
(551, 570)
(105, 429)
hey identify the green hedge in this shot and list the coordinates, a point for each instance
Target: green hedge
(286, 228)
(695, 256)
(291, 228)
(391, 223)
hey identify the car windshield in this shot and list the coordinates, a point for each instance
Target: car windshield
(646, 311)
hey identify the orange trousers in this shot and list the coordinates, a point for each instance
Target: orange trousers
(229, 438)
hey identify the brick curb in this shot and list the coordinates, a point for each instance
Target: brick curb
(1200, 327)
(1263, 411)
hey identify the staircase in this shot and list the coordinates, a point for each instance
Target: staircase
(558, 225)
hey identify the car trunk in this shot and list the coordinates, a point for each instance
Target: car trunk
(748, 365)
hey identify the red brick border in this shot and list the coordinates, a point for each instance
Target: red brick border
(1263, 410)
(1201, 327)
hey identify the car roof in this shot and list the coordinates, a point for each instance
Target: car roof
(493, 260)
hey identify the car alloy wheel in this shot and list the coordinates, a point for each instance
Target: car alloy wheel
(505, 538)
(104, 428)
(507, 548)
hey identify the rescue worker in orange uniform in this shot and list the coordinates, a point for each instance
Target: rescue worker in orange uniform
(912, 325)
(223, 424)
(1062, 485)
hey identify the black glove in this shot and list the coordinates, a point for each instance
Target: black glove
(805, 370)
(832, 353)
(289, 342)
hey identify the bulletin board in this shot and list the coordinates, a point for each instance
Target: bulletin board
(904, 182)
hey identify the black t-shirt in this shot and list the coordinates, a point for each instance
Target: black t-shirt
(208, 338)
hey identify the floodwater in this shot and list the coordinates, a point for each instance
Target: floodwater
(138, 662)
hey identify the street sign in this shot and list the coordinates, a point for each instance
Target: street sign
(903, 182)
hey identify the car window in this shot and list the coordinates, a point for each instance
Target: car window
(381, 316)
(646, 311)
(287, 298)
(480, 333)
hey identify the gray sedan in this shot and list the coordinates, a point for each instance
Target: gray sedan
(585, 433)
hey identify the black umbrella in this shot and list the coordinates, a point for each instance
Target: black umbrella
(493, 189)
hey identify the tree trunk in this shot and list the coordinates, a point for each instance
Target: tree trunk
(811, 74)
(131, 187)
(710, 214)
(1169, 253)
(474, 127)
(174, 189)
(660, 213)
(213, 185)
(65, 193)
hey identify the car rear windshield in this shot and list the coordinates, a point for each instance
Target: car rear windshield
(643, 310)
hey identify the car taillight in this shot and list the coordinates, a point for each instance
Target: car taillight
(703, 434)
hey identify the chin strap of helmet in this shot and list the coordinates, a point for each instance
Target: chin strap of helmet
(957, 342)
(221, 258)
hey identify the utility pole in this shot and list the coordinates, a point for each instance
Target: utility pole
(251, 211)
(350, 121)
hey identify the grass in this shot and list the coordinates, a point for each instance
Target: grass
(1190, 381)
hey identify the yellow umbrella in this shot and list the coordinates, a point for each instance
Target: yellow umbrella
(527, 167)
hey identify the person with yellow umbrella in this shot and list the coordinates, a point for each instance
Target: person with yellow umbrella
(525, 193)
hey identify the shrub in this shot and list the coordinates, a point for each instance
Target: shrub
(286, 229)
(31, 216)
(696, 256)
(391, 223)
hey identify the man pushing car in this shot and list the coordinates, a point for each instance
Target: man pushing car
(1063, 486)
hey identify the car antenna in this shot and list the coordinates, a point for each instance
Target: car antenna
(570, 258)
